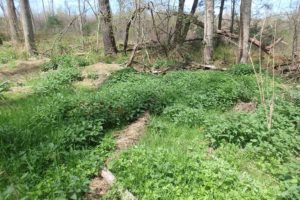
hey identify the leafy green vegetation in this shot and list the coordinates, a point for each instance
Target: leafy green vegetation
(56, 139)
(176, 160)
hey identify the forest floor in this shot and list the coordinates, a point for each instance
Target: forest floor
(204, 133)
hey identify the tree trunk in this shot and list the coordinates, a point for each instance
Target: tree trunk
(44, 11)
(80, 23)
(107, 28)
(245, 17)
(52, 7)
(221, 15)
(187, 22)
(232, 15)
(13, 21)
(296, 25)
(27, 27)
(208, 31)
(179, 23)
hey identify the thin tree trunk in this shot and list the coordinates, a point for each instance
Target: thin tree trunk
(208, 31)
(33, 22)
(245, 17)
(221, 15)
(80, 23)
(232, 15)
(27, 27)
(44, 11)
(296, 37)
(179, 23)
(52, 8)
(107, 28)
(13, 21)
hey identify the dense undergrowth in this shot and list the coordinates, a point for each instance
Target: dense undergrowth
(55, 140)
(200, 149)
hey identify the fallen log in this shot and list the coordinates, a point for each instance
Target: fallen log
(188, 66)
(271, 46)
(195, 65)
(254, 41)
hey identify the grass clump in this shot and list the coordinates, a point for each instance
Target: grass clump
(64, 61)
(244, 69)
(56, 80)
(163, 63)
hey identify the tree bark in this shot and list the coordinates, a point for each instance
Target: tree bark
(107, 28)
(80, 20)
(187, 22)
(221, 14)
(245, 17)
(232, 15)
(27, 27)
(13, 21)
(208, 31)
(295, 45)
(179, 23)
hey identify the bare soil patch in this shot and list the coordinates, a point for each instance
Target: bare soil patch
(244, 107)
(124, 139)
(21, 69)
(95, 75)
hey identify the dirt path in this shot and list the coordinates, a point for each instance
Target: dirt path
(124, 139)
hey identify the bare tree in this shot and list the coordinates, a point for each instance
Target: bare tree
(221, 14)
(245, 17)
(179, 22)
(13, 21)
(80, 20)
(107, 28)
(68, 8)
(295, 19)
(232, 15)
(52, 7)
(187, 22)
(27, 27)
(208, 31)
(44, 11)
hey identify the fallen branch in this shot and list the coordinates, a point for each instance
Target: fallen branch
(195, 65)
(251, 40)
(271, 46)
(188, 66)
